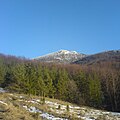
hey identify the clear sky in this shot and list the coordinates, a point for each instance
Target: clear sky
(33, 28)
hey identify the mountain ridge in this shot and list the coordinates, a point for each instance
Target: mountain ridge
(65, 56)
(112, 55)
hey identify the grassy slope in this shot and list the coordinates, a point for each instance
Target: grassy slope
(12, 110)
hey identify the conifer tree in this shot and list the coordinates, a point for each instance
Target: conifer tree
(95, 90)
(82, 83)
(19, 76)
(2, 71)
(31, 77)
(62, 84)
(49, 88)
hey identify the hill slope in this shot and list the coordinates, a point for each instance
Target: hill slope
(108, 56)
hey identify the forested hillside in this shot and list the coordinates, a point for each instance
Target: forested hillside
(97, 85)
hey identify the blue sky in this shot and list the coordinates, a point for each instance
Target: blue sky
(32, 28)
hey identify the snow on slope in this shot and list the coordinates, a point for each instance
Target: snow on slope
(50, 110)
(82, 113)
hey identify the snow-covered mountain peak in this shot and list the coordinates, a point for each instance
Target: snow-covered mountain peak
(61, 56)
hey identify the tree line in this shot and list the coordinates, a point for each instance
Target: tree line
(96, 85)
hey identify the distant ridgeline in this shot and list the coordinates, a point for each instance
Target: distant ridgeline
(95, 81)
(109, 56)
(65, 56)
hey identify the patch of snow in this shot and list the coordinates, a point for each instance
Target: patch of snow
(52, 104)
(21, 97)
(31, 101)
(43, 114)
(64, 51)
(115, 113)
(106, 113)
(13, 95)
(74, 52)
(86, 118)
(10, 98)
(51, 117)
(76, 107)
(59, 111)
(33, 109)
(2, 90)
(25, 107)
(3, 102)
(58, 58)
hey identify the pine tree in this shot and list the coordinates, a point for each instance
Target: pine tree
(82, 83)
(2, 71)
(49, 88)
(19, 76)
(31, 77)
(95, 90)
(62, 80)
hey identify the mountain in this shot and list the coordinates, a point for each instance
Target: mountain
(62, 56)
(65, 56)
(108, 56)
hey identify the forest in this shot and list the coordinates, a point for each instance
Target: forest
(96, 85)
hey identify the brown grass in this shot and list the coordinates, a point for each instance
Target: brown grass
(12, 111)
